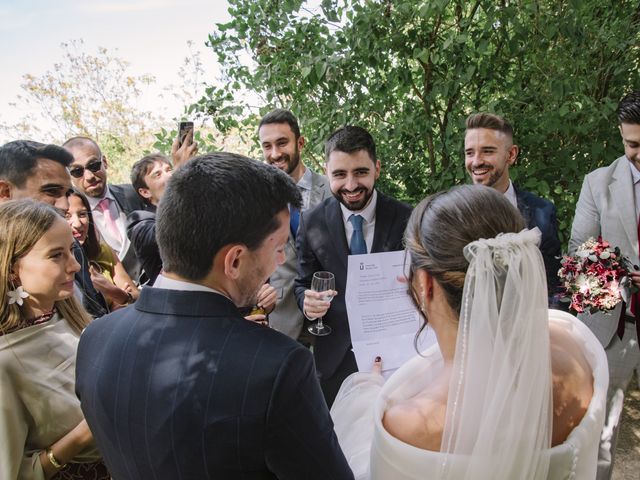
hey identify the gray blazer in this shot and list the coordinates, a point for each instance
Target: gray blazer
(286, 317)
(606, 207)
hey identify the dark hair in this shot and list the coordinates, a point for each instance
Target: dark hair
(280, 115)
(350, 139)
(142, 167)
(490, 121)
(215, 200)
(81, 141)
(443, 224)
(20, 157)
(629, 108)
(91, 245)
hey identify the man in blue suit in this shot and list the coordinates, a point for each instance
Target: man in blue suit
(179, 385)
(356, 219)
(489, 151)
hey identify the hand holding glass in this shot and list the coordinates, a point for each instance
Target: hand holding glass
(322, 282)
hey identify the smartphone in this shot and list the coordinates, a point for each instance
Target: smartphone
(183, 130)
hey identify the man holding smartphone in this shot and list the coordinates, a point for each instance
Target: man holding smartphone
(149, 177)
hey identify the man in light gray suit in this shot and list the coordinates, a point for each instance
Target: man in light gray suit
(609, 206)
(281, 144)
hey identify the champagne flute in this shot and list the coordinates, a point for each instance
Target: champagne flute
(321, 282)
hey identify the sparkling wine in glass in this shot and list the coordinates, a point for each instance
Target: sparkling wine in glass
(322, 282)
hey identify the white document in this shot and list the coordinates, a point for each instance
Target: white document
(382, 317)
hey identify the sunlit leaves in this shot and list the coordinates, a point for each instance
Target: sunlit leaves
(411, 71)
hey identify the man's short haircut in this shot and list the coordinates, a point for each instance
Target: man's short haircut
(80, 141)
(215, 200)
(350, 139)
(143, 167)
(279, 115)
(20, 157)
(629, 108)
(489, 121)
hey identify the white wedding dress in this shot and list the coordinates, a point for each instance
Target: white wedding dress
(374, 454)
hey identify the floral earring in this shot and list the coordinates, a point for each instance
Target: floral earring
(16, 294)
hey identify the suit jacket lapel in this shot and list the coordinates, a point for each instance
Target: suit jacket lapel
(384, 223)
(523, 206)
(318, 189)
(335, 230)
(622, 194)
(316, 196)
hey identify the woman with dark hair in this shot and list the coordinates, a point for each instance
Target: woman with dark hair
(42, 430)
(107, 272)
(511, 389)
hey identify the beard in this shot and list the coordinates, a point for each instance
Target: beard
(291, 162)
(95, 190)
(357, 205)
(492, 178)
(249, 286)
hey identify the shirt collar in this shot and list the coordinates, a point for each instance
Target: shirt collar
(368, 213)
(635, 174)
(167, 283)
(305, 180)
(511, 194)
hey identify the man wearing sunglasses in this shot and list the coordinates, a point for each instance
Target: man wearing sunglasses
(110, 204)
(39, 172)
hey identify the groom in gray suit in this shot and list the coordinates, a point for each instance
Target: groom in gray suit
(281, 145)
(609, 206)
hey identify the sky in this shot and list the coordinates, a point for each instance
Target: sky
(150, 34)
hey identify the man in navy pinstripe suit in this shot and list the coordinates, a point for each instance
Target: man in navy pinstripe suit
(179, 385)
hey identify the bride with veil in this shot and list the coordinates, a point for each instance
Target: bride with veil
(511, 390)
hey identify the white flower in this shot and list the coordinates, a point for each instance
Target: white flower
(16, 296)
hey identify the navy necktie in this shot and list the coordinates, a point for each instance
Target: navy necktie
(357, 246)
(294, 219)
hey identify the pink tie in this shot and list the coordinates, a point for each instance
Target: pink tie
(103, 205)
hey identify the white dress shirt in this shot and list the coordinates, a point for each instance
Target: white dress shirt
(511, 194)
(119, 245)
(368, 214)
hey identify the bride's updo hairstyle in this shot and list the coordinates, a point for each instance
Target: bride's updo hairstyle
(444, 223)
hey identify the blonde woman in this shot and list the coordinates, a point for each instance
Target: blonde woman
(42, 430)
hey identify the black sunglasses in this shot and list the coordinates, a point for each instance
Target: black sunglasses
(78, 170)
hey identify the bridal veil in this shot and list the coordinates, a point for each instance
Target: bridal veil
(499, 411)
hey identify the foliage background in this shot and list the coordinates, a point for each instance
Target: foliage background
(411, 71)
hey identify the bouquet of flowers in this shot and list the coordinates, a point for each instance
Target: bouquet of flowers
(596, 278)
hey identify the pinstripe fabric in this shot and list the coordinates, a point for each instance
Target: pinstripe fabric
(179, 386)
